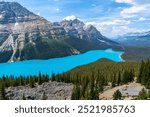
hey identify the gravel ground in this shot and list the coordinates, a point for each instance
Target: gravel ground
(128, 91)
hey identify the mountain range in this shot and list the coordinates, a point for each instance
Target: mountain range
(135, 39)
(25, 36)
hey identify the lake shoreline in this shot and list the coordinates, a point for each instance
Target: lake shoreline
(57, 65)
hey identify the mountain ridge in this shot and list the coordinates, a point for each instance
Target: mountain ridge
(26, 36)
(135, 39)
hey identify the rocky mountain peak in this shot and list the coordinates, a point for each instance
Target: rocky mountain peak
(11, 12)
(79, 29)
(91, 29)
(26, 36)
(68, 18)
(72, 23)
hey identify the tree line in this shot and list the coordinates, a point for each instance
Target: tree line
(88, 87)
(90, 80)
(11, 81)
(144, 74)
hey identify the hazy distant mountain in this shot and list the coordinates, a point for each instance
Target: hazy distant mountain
(25, 36)
(135, 39)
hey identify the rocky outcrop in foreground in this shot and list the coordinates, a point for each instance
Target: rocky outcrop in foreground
(47, 91)
(128, 91)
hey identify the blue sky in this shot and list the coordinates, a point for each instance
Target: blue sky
(111, 17)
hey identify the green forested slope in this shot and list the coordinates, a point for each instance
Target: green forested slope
(89, 80)
(136, 53)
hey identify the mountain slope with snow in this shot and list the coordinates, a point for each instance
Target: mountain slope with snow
(26, 36)
(135, 39)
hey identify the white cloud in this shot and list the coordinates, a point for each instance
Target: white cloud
(138, 8)
(68, 18)
(125, 1)
(116, 22)
(134, 11)
(57, 9)
(112, 28)
(137, 12)
(142, 19)
(143, 1)
(123, 30)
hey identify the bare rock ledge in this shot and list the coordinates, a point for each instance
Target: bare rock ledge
(50, 90)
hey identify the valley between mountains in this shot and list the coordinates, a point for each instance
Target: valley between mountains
(26, 36)
(29, 40)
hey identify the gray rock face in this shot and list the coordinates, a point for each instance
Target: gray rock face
(74, 28)
(26, 36)
(51, 90)
(79, 29)
(19, 27)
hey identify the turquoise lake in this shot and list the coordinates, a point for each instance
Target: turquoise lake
(57, 65)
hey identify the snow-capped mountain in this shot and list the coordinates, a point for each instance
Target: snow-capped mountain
(135, 39)
(137, 34)
(25, 36)
(76, 28)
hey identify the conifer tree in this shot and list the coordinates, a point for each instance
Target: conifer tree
(23, 97)
(31, 83)
(119, 79)
(76, 93)
(44, 97)
(39, 79)
(92, 92)
(117, 95)
(143, 95)
(2, 91)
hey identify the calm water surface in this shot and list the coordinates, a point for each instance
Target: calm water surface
(57, 65)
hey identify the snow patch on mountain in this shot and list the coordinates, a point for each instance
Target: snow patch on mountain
(101, 41)
(1, 16)
(16, 24)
